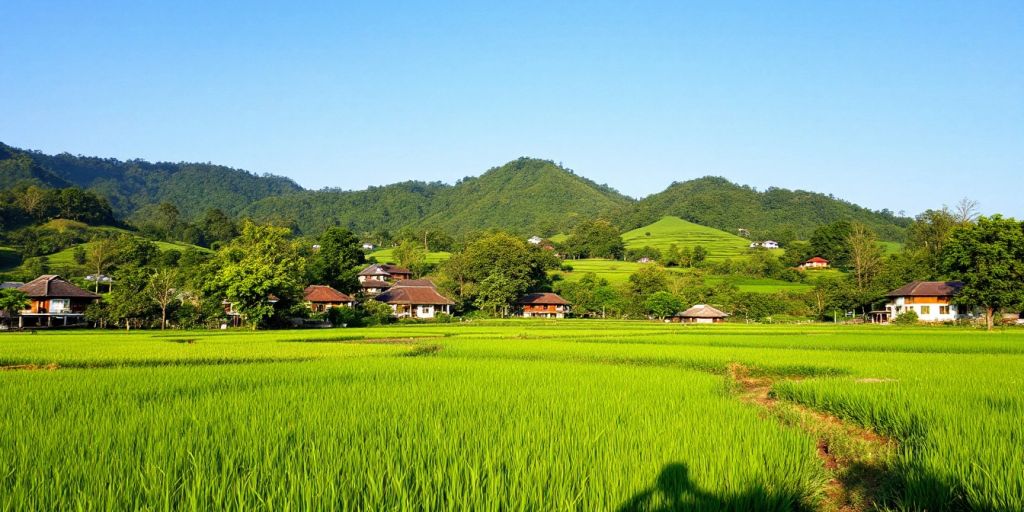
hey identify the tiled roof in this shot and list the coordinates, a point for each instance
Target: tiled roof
(322, 293)
(373, 283)
(53, 287)
(383, 269)
(928, 289)
(817, 259)
(542, 298)
(702, 311)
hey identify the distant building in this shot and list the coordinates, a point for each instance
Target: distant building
(385, 272)
(769, 244)
(320, 298)
(369, 246)
(54, 301)
(700, 314)
(415, 298)
(815, 262)
(645, 259)
(930, 300)
(535, 240)
(542, 305)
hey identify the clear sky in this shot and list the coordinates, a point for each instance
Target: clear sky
(901, 105)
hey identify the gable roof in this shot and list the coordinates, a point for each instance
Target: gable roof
(817, 259)
(542, 298)
(702, 311)
(413, 292)
(928, 289)
(53, 287)
(375, 283)
(383, 269)
(323, 293)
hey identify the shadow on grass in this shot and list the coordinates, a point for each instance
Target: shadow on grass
(675, 491)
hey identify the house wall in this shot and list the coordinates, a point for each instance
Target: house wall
(928, 309)
(543, 311)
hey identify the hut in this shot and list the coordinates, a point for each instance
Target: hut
(700, 314)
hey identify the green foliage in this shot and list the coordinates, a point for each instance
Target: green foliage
(409, 254)
(663, 304)
(832, 242)
(337, 262)
(375, 313)
(263, 261)
(594, 239)
(12, 301)
(988, 257)
(908, 317)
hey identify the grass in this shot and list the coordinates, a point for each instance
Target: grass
(525, 415)
(673, 230)
(617, 272)
(387, 256)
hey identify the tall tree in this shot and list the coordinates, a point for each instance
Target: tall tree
(409, 254)
(831, 242)
(988, 257)
(595, 239)
(163, 290)
(865, 256)
(262, 262)
(100, 257)
(337, 261)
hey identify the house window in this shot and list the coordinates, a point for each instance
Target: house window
(943, 310)
(60, 305)
(926, 310)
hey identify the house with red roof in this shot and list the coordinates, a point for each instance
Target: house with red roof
(542, 305)
(815, 263)
(415, 298)
(320, 298)
(378, 277)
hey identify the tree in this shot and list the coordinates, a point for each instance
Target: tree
(338, 260)
(595, 239)
(496, 292)
(965, 211)
(12, 301)
(700, 254)
(410, 253)
(663, 304)
(262, 262)
(216, 227)
(988, 258)
(865, 256)
(831, 242)
(163, 290)
(928, 235)
(648, 280)
(128, 301)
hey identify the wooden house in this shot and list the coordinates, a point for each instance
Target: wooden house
(700, 314)
(415, 298)
(385, 272)
(54, 302)
(542, 305)
(320, 298)
(932, 301)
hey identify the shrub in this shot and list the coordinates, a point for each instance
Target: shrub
(908, 318)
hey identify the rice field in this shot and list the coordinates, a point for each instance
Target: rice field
(502, 415)
(673, 230)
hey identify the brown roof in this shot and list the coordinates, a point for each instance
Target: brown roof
(928, 289)
(702, 311)
(322, 293)
(413, 292)
(373, 283)
(53, 287)
(383, 269)
(542, 298)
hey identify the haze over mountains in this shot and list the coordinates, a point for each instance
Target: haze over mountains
(525, 196)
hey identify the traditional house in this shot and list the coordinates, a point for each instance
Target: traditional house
(815, 262)
(384, 272)
(542, 305)
(415, 298)
(320, 298)
(700, 314)
(371, 287)
(930, 300)
(54, 301)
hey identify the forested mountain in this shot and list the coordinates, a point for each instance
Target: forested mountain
(129, 185)
(775, 213)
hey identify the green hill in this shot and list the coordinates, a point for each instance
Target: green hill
(775, 213)
(673, 230)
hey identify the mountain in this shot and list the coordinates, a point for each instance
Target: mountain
(130, 185)
(775, 213)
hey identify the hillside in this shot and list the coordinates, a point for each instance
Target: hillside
(129, 185)
(673, 230)
(775, 213)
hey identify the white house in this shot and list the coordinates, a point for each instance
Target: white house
(369, 247)
(930, 300)
(415, 298)
(535, 240)
(770, 244)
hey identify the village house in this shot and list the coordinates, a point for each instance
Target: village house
(321, 298)
(535, 240)
(815, 263)
(369, 247)
(930, 300)
(415, 298)
(700, 314)
(54, 302)
(542, 305)
(767, 244)
(376, 278)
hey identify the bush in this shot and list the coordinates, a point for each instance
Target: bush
(566, 267)
(908, 318)
(345, 317)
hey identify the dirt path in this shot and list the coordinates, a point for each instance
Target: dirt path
(857, 459)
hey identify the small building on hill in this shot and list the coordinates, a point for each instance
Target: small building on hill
(54, 302)
(415, 298)
(815, 263)
(542, 305)
(700, 314)
(386, 272)
(320, 298)
(535, 240)
(932, 301)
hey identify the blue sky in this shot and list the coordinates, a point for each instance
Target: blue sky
(899, 105)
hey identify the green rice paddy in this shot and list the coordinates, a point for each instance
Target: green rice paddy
(501, 415)
(673, 230)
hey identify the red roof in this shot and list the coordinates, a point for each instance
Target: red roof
(322, 293)
(542, 298)
(373, 283)
(928, 289)
(413, 292)
(817, 259)
(53, 287)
